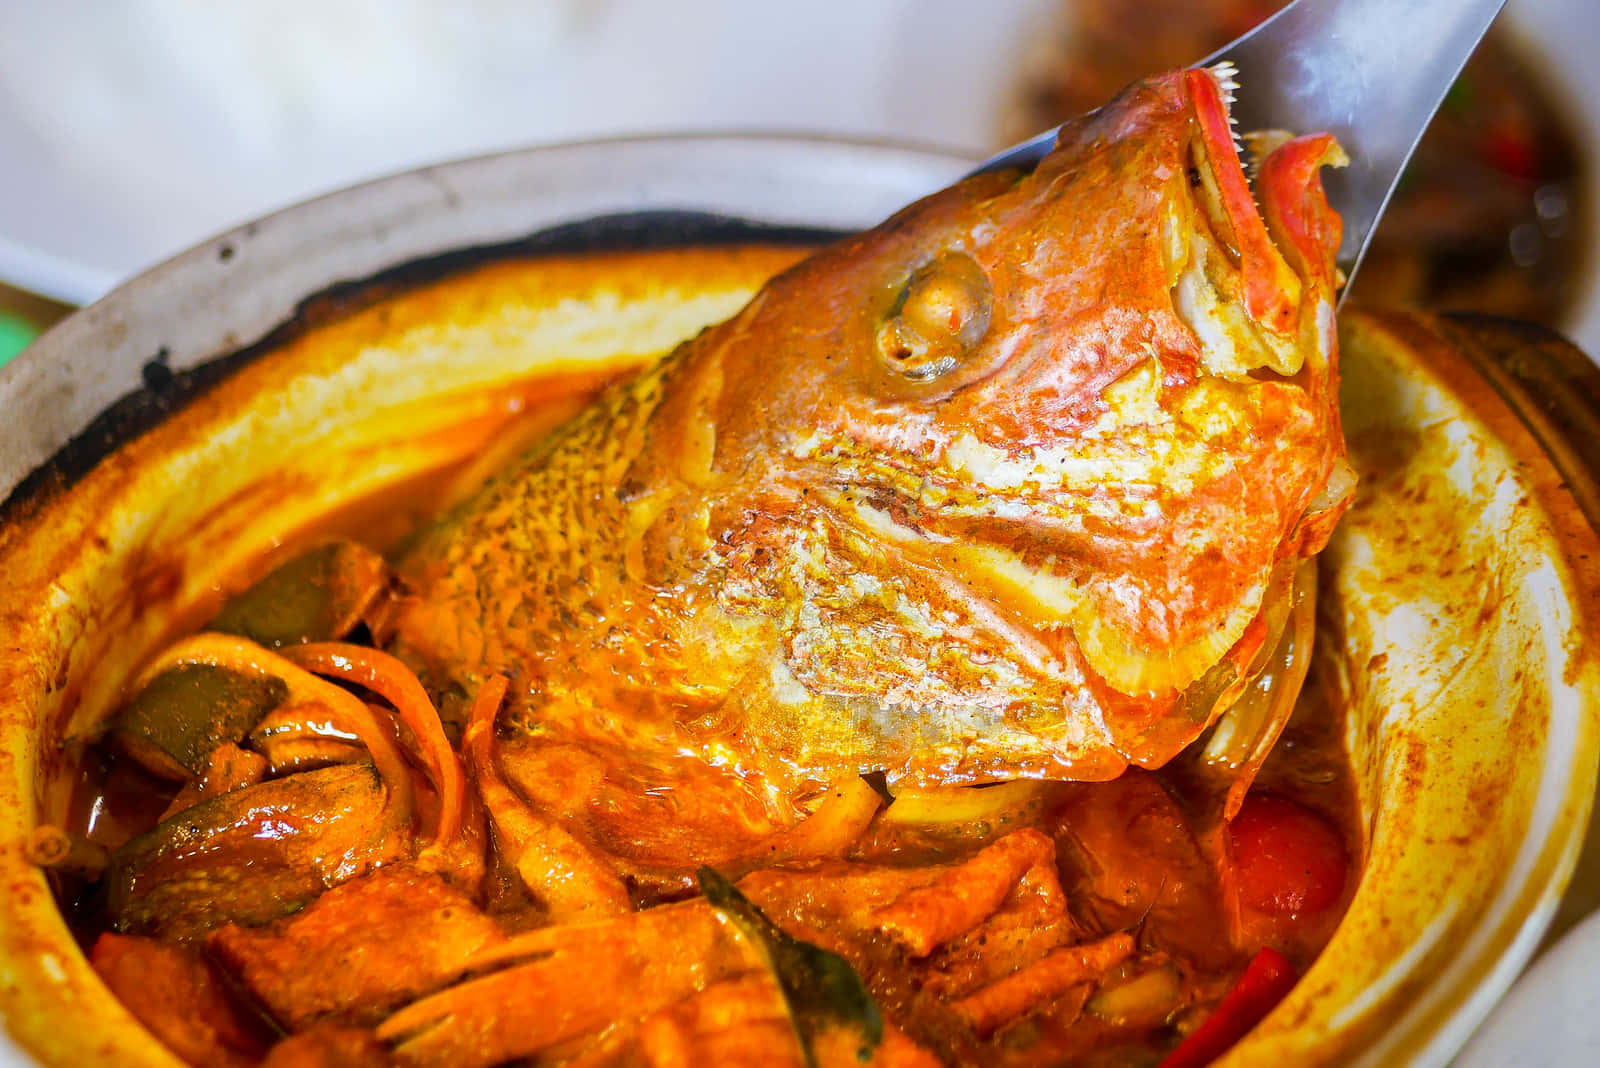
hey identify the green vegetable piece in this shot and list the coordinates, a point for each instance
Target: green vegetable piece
(820, 988)
(317, 596)
(15, 335)
(173, 724)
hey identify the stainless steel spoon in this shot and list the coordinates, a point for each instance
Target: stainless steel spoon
(1371, 72)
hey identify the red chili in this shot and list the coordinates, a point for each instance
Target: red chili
(1263, 984)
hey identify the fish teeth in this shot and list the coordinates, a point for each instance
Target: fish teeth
(1227, 76)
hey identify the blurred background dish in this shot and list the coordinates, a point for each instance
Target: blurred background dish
(143, 126)
(133, 128)
(1490, 214)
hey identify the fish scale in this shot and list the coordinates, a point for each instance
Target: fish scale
(997, 489)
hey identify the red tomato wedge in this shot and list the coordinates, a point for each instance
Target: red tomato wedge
(1288, 859)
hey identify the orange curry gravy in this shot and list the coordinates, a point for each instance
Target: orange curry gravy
(282, 913)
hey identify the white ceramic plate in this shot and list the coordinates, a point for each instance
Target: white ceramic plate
(131, 129)
(1551, 1017)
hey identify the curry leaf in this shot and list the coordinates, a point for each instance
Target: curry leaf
(819, 988)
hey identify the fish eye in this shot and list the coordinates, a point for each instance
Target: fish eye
(942, 314)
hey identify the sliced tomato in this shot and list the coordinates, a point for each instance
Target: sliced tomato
(1288, 860)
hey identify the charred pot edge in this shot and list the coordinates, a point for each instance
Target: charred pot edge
(166, 392)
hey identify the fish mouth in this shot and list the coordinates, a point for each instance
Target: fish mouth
(1250, 269)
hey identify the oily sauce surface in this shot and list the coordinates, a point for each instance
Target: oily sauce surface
(1017, 923)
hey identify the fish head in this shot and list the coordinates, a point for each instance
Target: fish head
(1086, 413)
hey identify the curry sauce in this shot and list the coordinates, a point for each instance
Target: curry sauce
(1140, 870)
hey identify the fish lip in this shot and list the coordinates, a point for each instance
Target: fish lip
(1278, 188)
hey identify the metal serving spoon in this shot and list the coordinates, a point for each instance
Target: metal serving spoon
(1371, 72)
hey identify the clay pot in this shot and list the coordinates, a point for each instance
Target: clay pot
(161, 444)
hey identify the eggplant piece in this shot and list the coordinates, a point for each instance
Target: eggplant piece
(317, 596)
(175, 721)
(253, 855)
